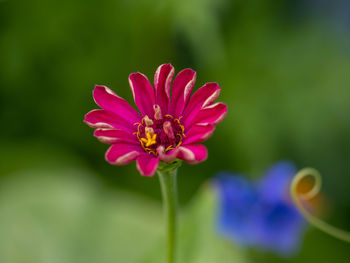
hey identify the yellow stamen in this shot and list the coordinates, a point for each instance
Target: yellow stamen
(170, 147)
(180, 142)
(150, 139)
(183, 130)
(138, 129)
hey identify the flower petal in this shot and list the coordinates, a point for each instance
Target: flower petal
(181, 91)
(147, 164)
(108, 100)
(202, 98)
(192, 153)
(112, 136)
(162, 84)
(213, 114)
(143, 93)
(198, 133)
(277, 226)
(275, 184)
(236, 205)
(107, 119)
(167, 156)
(122, 153)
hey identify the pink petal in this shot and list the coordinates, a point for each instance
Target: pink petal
(168, 156)
(198, 133)
(193, 153)
(181, 91)
(162, 83)
(202, 98)
(143, 93)
(147, 164)
(122, 153)
(108, 100)
(213, 114)
(112, 136)
(107, 119)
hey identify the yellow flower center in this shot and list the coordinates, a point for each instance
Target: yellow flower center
(150, 139)
(165, 131)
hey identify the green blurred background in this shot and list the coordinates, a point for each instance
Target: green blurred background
(284, 69)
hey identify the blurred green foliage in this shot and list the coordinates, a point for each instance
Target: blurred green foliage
(62, 214)
(283, 67)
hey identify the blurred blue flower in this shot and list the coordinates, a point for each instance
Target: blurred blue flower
(260, 214)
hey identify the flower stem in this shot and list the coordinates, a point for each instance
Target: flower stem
(167, 176)
(323, 226)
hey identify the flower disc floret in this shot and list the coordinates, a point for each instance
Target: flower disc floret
(167, 132)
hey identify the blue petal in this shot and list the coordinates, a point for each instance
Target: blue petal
(278, 227)
(275, 184)
(260, 215)
(237, 199)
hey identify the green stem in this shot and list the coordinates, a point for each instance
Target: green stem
(167, 177)
(323, 226)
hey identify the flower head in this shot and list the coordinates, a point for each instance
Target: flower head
(170, 123)
(260, 215)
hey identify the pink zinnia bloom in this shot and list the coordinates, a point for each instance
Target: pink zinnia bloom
(171, 125)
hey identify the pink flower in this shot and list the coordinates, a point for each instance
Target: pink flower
(171, 125)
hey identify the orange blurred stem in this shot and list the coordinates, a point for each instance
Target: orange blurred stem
(316, 222)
